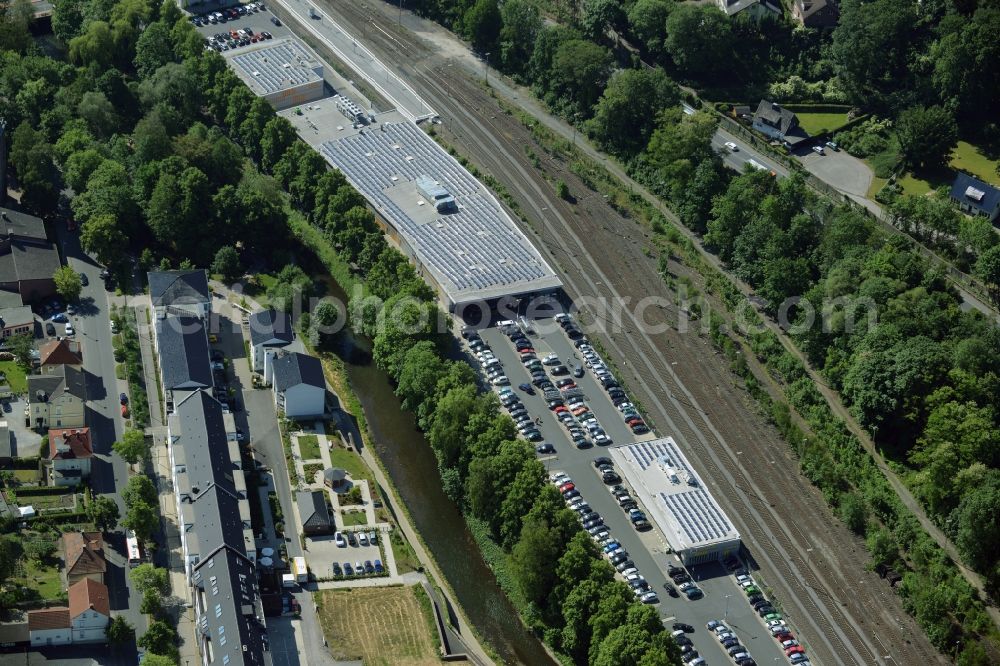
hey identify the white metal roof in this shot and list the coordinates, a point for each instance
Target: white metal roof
(674, 495)
(278, 65)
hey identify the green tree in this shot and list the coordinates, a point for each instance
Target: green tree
(139, 489)
(152, 603)
(131, 447)
(79, 167)
(853, 512)
(67, 19)
(521, 25)
(699, 41)
(532, 557)
(99, 113)
(926, 135)
(103, 512)
(278, 137)
(68, 283)
(481, 25)
(152, 659)
(11, 551)
(579, 72)
(160, 638)
(227, 263)
(599, 16)
(149, 578)
(626, 113)
(39, 550)
(885, 27)
(962, 59)
(34, 159)
(648, 21)
(120, 631)
(988, 269)
(21, 346)
(421, 369)
(102, 237)
(153, 50)
(96, 45)
(143, 519)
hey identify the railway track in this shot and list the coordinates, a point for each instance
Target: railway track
(840, 613)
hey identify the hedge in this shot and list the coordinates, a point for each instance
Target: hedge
(25, 463)
(819, 108)
(59, 518)
(35, 491)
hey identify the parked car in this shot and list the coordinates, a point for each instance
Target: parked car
(50, 329)
(339, 539)
(84, 280)
(545, 448)
(732, 146)
(60, 318)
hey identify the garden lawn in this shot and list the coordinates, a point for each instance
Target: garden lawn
(967, 157)
(43, 578)
(352, 462)
(350, 518)
(309, 447)
(16, 378)
(817, 123)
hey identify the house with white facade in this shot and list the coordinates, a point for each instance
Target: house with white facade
(299, 386)
(49, 626)
(70, 452)
(89, 611)
(270, 332)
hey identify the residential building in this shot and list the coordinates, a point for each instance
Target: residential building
(17, 321)
(89, 611)
(180, 292)
(270, 331)
(27, 259)
(816, 13)
(975, 197)
(751, 8)
(60, 352)
(299, 385)
(70, 452)
(49, 626)
(185, 364)
(313, 513)
(83, 555)
(57, 398)
(778, 123)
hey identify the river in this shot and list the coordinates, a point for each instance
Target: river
(410, 463)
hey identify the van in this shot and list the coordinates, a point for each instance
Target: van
(505, 323)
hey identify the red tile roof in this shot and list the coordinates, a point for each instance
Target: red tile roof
(78, 440)
(48, 618)
(60, 352)
(88, 594)
(84, 553)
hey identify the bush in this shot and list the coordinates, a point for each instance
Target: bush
(562, 190)
(868, 138)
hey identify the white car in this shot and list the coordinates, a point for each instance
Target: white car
(363, 538)
(69, 329)
(558, 478)
(501, 381)
(732, 146)
(819, 150)
(339, 539)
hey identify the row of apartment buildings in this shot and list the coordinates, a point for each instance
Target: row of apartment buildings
(217, 542)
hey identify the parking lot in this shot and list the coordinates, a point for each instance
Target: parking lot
(339, 555)
(258, 22)
(647, 550)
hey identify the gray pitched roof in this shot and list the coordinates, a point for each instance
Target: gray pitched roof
(973, 192)
(15, 223)
(197, 427)
(61, 379)
(183, 349)
(215, 514)
(233, 620)
(294, 369)
(776, 116)
(178, 287)
(312, 508)
(270, 328)
(818, 13)
(33, 261)
(17, 316)
(733, 7)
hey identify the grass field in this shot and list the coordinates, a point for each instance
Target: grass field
(406, 559)
(968, 158)
(354, 518)
(26, 476)
(378, 625)
(817, 123)
(309, 447)
(351, 462)
(16, 378)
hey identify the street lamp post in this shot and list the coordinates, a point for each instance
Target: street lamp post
(486, 66)
(726, 616)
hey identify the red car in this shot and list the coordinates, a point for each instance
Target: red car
(559, 409)
(566, 487)
(125, 411)
(795, 649)
(785, 636)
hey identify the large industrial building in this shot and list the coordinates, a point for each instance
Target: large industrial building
(284, 72)
(677, 501)
(456, 233)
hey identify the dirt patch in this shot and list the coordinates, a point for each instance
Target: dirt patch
(378, 625)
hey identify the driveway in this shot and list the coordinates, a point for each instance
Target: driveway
(839, 170)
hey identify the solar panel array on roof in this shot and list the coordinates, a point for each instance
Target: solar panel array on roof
(278, 66)
(697, 515)
(475, 252)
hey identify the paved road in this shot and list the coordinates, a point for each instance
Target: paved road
(109, 474)
(648, 550)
